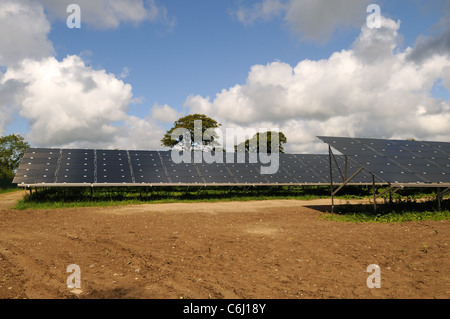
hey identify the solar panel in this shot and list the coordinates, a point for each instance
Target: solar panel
(38, 165)
(442, 147)
(104, 167)
(246, 173)
(216, 173)
(282, 175)
(307, 169)
(180, 173)
(397, 161)
(148, 168)
(113, 167)
(343, 169)
(76, 166)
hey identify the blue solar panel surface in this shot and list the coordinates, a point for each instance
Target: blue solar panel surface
(104, 167)
(397, 161)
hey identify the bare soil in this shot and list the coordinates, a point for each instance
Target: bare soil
(277, 249)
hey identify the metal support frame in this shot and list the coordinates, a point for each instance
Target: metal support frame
(348, 180)
(440, 195)
(344, 177)
(374, 194)
(331, 178)
(445, 191)
(439, 198)
(337, 165)
(389, 189)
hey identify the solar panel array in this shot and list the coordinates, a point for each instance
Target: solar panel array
(397, 161)
(77, 167)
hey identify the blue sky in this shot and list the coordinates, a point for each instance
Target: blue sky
(202, 48)
(209, 49)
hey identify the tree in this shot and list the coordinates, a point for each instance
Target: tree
(12, 148)
(195, 131)
(252, 145)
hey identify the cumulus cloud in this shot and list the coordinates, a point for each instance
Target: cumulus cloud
(69, 104)
(9, 95)
(140, 133)
(428, 46)
(318, 20)
(165, 113)
(65, 101)
(309, 19)
(371, 89)
(264, 10)
(110, 14)
(23, 31)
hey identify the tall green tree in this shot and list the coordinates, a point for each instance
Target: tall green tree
(189, 136)
(252, 145)
(12, 148)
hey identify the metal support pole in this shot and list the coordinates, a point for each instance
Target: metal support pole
(347, 180)
(445, 191)
(337, 166)
(346, 166)
(439, 198)
(374, 194)
(331, 179)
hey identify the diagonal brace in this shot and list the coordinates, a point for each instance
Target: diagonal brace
(348, 180)
(445, 191)
(388, 189)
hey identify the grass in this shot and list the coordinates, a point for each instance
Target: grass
(400, 211)
(9, 190)
(113, 196)
(407, 206)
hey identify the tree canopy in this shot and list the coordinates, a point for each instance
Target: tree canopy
(12, 148)
(189, 135)
(252, 145)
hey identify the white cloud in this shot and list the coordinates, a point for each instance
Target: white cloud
(125, 73)
(69, 104)
(428, 46)
(68, 101)
(110, 14)
(23, 31)
(9, 90)
(309, 19)
(139, 133)
(264, 10)
(165, 113)
(318, 20)
(370, 90)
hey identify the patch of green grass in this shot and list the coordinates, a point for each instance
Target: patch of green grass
(398, 212)
(9, 190)
(405, 206)
(391, 217)
(81, 197)
(23, 204)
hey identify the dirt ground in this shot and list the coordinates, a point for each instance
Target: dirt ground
(277, 249)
